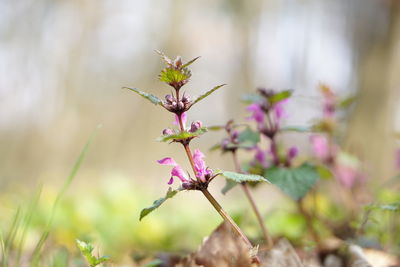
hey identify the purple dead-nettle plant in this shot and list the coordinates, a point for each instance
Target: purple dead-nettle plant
(176, 74)
(342, 165)
(268, 112)
(276, 161)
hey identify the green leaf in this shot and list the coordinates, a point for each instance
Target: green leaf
(393, 207)
(189, 63)
(279, 96)
(170, 194)
(154, 263)
(215, 128)
(251, 98)
(249, 138)
(346, 102)
(152, 98)
(182, 135)
(228, 186)
(215, 147)
(300, 129)
(171, 75)
(207, 94)
(324, 172)
(102, 259)
(86, 250)
(295, 182)
(240, 177)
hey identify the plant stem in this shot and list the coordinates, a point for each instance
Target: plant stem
(309, 222)
(253, 204)
(225, 216)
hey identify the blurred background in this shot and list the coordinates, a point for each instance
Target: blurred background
(63, 64)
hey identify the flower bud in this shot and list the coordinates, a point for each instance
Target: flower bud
(225, 143)
(195, 126)
(180, 105)
(185, 99)
(167, 131)
(292, 152)
(169, 99)
(235, 136)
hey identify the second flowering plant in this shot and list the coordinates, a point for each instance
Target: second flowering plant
(176, 74)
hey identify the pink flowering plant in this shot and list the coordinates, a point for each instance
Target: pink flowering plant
(176, 74)
(273, 160)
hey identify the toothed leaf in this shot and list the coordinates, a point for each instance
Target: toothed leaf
(295, 182)
(171, 75)
(248, 138)
(280, 96)
(300, 129)
(240, 177)
(207, 93)
(152, 98)
(189, 63)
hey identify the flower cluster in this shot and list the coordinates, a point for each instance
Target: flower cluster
(203, 173)
(268, 112)
(344, 166)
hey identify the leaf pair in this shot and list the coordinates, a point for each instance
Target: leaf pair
(156, 101)
(182, 135)
(86, 250)
(234, 177)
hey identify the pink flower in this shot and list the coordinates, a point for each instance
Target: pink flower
(200, 166)
(397, 159)
(346, 175)
(279, 110)
(292, 153)
(261, 157)
(320, 146)
(202, 171)
(257, 114)
(176, 171)
(329, 103)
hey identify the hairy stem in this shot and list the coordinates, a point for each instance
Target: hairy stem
(245, 187)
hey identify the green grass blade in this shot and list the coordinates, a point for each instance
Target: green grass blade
(67, 183)
(26, 222)
(4, 258)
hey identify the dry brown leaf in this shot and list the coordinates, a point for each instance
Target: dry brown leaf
(222, 248)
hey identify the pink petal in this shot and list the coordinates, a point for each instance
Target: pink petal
(167, 161)
(183, 117)
(397, 160)
(261, 157)
(199, 163)
(177, 171)
(320, 146)
(346, 175)
(292, 152)
(257, 113)
(171, 180)
(279, 111)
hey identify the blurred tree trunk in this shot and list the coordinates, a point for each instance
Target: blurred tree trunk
(371, 129)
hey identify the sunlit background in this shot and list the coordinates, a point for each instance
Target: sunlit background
(63, 65)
